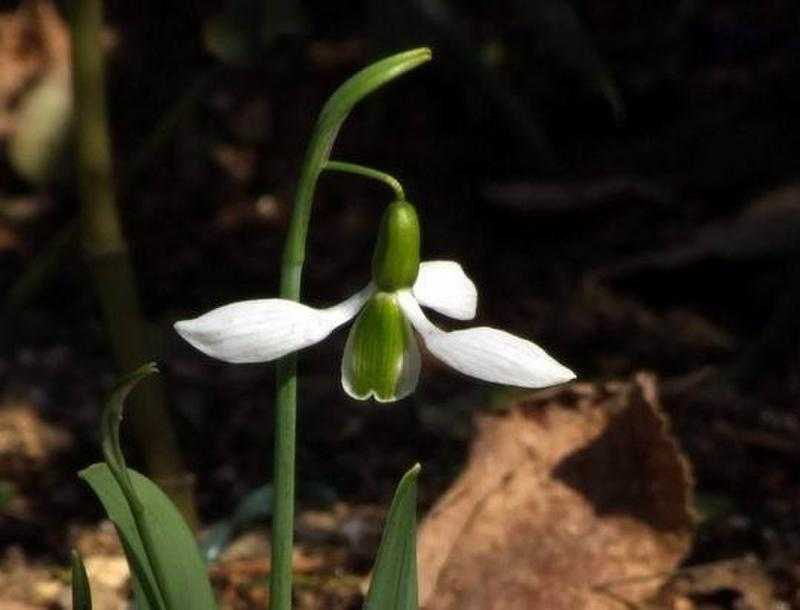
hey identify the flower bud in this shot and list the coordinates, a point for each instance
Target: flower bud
(381, 358)
(395, 263)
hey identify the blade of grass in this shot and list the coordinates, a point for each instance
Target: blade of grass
(81, 594)
(394, 578)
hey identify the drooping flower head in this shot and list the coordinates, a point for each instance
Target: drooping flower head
(381, 358)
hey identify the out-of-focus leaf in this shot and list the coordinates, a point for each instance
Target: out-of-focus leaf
(246, 27)
(6, 493)
(576, 497)
(432, 22)
(255, 506)
(39, 271)
(169, 571)
(560, 31)
(394, 579)
(767, 228)
(81, 594)
(43, 126)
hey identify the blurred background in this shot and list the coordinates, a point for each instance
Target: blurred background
(620, 178)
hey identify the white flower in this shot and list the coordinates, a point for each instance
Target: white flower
(381, 358)
(266, 329)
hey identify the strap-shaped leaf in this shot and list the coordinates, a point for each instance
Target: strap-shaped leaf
(160, 548)
(81, 594)
(185, 577)
(394, 579)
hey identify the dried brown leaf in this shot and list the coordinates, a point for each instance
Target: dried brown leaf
(27, 442)
(743, 579)
(33, 40)
(574, 499)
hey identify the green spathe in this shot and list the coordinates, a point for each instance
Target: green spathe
(376, 356)
(395, 264)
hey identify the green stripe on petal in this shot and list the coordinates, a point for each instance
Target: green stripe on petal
(381, 359)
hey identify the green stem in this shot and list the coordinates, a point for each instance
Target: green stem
(45, 264)
(330, 120)
(107, 254)
(360, 170)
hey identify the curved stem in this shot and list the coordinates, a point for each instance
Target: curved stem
(334, 113)
(360, 170)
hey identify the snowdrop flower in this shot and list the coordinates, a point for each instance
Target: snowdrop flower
(381, 358)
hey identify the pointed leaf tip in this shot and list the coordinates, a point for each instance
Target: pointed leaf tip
(110, 423)
(414, 471)
(394, 580)
(81, 593)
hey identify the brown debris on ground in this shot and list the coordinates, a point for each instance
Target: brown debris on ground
(26, 585)
(574, 498)
(743, 581)
(33, 40)
(27, 443)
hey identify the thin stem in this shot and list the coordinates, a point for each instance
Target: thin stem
(360, 170)
(45, 264)
(106, 251)
(334, 113)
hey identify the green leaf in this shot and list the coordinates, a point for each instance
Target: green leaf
(160, 547)
(255, 506)
(81, 594)
(394, 579)
(184, 572)
(6, 493)
(109, 428)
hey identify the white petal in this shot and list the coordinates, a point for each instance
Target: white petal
(265, 329)
(409, 374)
(346, 371)
(487, 353)
(443, 286)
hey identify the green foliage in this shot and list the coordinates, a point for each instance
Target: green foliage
(81, 595)
(168, 569)
(6, 493)
(255, 506)
(242, 31)
(394, 579)
(171, 545)
(331, 119)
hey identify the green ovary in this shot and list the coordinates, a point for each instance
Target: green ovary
(395, 263)
(375, 349)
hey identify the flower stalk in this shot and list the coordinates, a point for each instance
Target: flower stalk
(360, 170)
(381, 359)
(328, 124)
